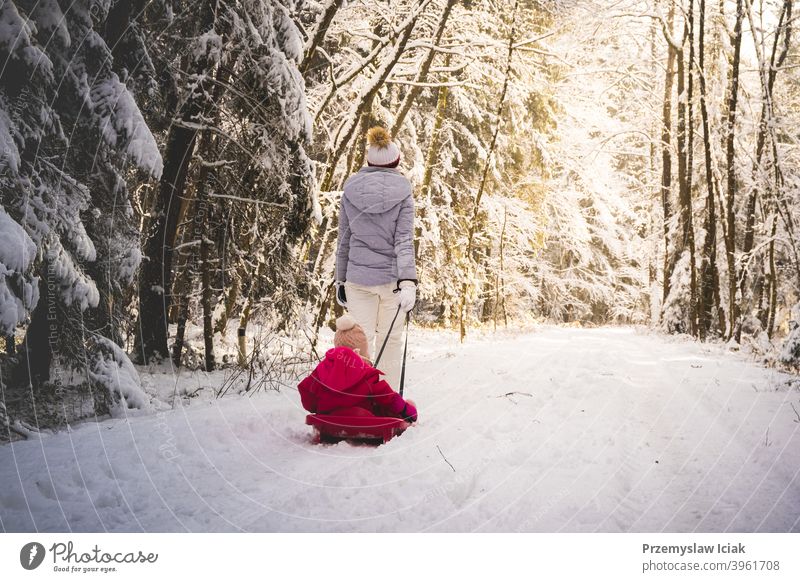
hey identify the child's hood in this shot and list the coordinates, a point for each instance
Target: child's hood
(342, 369)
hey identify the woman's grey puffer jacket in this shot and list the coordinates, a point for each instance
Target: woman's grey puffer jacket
(376, 228)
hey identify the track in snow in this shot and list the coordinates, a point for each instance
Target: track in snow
(603, 430)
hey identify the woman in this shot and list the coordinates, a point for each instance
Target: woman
(375, 270)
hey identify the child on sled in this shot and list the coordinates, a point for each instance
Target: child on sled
(345, 383)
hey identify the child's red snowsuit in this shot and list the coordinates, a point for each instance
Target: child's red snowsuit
(344, 384)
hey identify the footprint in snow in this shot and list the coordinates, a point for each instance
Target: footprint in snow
(108, 499)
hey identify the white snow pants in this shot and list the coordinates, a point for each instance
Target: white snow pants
(373, 308)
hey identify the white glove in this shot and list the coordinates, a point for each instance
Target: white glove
(407, 296)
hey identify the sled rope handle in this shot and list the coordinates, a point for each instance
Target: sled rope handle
(405, 352)
(386, 339)
(405, 348)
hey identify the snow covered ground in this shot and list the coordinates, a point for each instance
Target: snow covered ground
(558, 429)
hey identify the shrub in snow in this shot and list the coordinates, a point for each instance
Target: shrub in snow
(790, 352)
(675, 317)
(111, 370)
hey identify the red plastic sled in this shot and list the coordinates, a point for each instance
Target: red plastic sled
(370, 428)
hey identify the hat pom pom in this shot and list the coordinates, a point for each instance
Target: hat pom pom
(345, 322)
(379, 136)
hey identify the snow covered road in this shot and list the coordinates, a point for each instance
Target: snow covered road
(561, 429)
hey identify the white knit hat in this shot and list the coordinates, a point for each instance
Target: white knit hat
(382, 150)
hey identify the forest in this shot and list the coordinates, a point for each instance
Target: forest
(170, 174)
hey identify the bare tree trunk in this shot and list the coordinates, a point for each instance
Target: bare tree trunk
(244, 318)
(685, 162)
(709, 277)
(230, 302)
(666, 155)
(723, 223)
(199, 234)
(652, 267)
(688, 206)
(359, 148)
(245, 238)
(204, 232)
(179, 309)
(730, 165)
(316, 38)
(206, 300)
(499, 282)
(184, 281)
(473, 224)
(155, 281)
(180, 333)
(773, 279)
